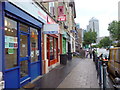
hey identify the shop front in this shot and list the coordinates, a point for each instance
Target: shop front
(51, 39)
(52, 49)
(21, 47)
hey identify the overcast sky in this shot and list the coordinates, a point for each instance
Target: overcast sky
(104, 10)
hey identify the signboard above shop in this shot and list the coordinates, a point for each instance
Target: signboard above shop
(32, 8)
(51, 29)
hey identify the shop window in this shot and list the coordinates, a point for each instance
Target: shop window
(34, 44)
(10, 43)
(23, 28)
(53, 48)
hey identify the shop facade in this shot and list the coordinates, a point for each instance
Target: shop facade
(21, 45)
(51, 44)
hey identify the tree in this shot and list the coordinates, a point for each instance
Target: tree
(114, 29)
(89, 37)
(105, 42)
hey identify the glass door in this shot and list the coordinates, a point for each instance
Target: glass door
(24, 53)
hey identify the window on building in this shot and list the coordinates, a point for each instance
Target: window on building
(34, 44)
(24, 28)
(51, 8)
(53, 48)
(10, 43)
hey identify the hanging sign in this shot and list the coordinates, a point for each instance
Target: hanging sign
(51, 29)
(62, 18)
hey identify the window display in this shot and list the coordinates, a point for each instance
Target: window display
(10, 43)
(53, 48)
(34, 44)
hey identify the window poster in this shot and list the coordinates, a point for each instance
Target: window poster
(10, 42)
(10, 51)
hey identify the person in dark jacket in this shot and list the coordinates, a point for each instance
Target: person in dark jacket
(93, 55)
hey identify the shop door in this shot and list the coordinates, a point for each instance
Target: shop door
(52, 50)
(24, 60)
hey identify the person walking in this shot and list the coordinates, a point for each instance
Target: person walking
(86, 53)
(82, 53)
(93, 52)
(90, 52)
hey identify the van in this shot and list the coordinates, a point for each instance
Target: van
(114, 63)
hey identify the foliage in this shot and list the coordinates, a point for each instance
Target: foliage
(105, 42)
(114, 29)
(89, 37)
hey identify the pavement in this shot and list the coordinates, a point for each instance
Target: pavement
(57, 75)
(78, 73)
(84, 75)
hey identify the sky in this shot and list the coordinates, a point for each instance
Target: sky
(104, 10)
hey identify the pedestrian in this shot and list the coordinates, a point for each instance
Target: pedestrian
(82, 53)
(93, 52)
(90, 53)
(87, 53)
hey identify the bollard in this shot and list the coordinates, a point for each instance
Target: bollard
(104, 76)
(100, 73)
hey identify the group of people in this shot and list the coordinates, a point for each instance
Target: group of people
(88, 53)
(91, 53)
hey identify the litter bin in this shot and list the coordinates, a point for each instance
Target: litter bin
(63, 59)
(69, 56)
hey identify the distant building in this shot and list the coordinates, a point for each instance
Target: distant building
(100, 38)
(94, 26)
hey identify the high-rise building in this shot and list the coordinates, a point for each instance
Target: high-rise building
(93, 25)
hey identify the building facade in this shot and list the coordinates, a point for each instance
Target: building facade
(28, 49)
(63, 13)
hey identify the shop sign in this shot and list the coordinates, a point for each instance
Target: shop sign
(62, 18)
(32, 8)
(60, 10)
(51, 29)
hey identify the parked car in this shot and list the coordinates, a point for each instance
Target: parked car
(114, 63)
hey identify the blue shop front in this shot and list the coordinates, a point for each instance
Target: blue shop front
(20, 34)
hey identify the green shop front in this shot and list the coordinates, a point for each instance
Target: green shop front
(64, 56)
